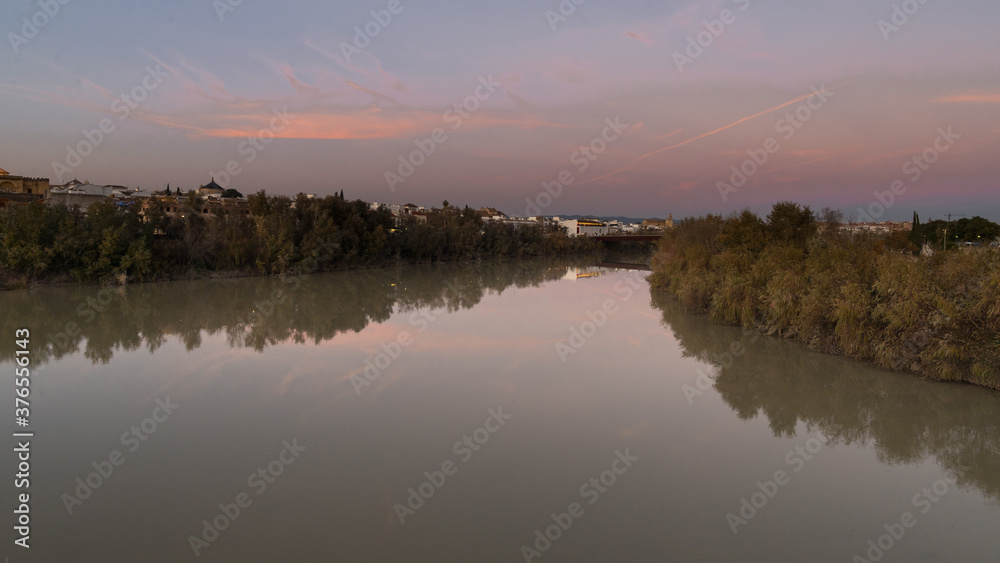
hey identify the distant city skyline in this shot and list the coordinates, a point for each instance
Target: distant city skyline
(637, 109)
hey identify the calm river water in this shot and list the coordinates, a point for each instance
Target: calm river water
(528, 411)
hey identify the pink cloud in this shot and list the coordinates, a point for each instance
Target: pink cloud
(641, 38)
(377, 95)
(970, 97)
(206, 108)
(349, 123)
(670, 134)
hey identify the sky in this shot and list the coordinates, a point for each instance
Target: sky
(878, 108)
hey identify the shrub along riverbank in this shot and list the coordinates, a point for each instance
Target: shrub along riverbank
(868, 297)
(116, 243)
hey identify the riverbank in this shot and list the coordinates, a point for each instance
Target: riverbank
(9, 282)
(855, 295)
(114, 244)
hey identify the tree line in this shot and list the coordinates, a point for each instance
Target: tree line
(975, 230)
(798, 274)
(118, 240)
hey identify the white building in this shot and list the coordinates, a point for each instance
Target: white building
(585, 227)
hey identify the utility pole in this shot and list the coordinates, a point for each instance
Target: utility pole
(950, 215)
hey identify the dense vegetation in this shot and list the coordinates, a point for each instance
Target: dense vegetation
(865, 296)
(119, 242)
(976, 230)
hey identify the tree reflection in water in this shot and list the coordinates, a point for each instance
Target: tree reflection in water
(905, 419)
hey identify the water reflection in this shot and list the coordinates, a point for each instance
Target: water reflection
(252, 313)
(367, 447)
(906, 420)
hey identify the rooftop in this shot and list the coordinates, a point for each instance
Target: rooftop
(212, 186)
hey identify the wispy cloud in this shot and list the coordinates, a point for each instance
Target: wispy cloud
(704, 135)
(203, 106)
(970, 98)
(377, 95)
(640, 37)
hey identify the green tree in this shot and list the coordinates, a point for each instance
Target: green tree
(791, 223)
(744, 231)
(916, 235)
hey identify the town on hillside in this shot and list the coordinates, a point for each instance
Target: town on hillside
(212, 200)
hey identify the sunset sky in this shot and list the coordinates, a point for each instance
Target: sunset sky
(345, 108)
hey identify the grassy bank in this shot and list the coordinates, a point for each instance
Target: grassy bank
(864, 296)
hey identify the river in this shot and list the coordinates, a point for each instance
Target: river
(521, 411)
